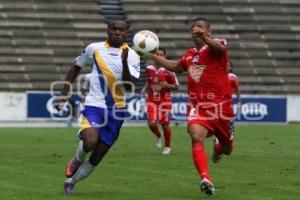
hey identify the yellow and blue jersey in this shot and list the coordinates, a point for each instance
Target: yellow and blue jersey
(106, 90)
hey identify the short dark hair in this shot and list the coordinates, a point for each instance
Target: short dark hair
(162, 49)
(111, 22)
(202, 19)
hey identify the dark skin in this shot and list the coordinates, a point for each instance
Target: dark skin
(91, 142)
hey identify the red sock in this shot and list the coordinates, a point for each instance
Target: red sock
(200, 160)
(155, 131)
(167, 134)
(218, 148)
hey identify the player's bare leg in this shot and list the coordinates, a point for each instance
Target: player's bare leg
(167, 135)
(198, 134)
(154, 128)
(89, 142)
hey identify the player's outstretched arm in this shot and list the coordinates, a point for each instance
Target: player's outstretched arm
(71, 77)
(171, 65)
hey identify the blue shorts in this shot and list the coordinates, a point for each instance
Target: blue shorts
(108, 122)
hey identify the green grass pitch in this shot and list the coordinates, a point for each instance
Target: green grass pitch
(265, 165)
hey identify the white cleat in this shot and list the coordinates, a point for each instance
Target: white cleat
(158, 143)
(166, 151)
(207, 187)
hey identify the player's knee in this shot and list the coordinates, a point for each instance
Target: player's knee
(90, 143)
(152, 124)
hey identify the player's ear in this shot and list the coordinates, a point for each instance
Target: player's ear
(209, 31)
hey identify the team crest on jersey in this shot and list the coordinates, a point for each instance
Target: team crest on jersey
(196, 71)
(195, 59)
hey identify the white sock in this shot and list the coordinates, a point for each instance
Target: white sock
(80, 154)
(85, 169)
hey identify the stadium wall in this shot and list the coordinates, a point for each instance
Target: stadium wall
(36, 106)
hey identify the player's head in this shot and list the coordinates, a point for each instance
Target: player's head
(161, 52)
(229, 66)
(203, 24)
(116, 31)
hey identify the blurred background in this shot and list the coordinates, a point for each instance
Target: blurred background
(41, 38)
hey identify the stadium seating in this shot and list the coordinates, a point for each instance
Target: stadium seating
(39, 39)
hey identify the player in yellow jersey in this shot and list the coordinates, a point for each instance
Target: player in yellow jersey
(104, 108)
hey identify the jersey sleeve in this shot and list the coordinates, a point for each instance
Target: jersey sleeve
(85, 56)
(133, 63)
(182, 62)
(173, 78)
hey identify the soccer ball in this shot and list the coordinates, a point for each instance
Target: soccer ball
(145, 42)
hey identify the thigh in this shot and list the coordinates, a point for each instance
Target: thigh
(152, 112)
(198, 132)
(164, 112)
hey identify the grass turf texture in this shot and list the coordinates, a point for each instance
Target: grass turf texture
(265, 165)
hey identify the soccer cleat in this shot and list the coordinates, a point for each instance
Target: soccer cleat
(72, 167)
(215, 157)
(158, 143)
(207, 187)
(69, 188)
(166, 151)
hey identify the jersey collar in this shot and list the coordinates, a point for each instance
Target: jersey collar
(124, 45)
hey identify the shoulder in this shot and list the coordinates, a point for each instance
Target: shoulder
(232, 75)
(189, 54)
(191, 51)
(150, 67)
(92, 47)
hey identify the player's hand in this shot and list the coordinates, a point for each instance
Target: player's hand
(163, 84)
(156, 88)
(143, 91)
(59, 102)
(198, 31)
(124, 55)
(143, 56)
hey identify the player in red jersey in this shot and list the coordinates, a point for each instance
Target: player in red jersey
(159, 84)
(210, 109)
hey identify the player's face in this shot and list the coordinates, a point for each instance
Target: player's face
(201, 26)
(116, 33)
(160, 53)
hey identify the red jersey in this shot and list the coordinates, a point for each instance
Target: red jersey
(207, 74)
(154, 77)
(233, 83)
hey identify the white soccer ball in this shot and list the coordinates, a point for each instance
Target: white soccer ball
(145, 42)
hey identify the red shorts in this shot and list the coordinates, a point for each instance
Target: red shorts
(219, 124)
(159, 111)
